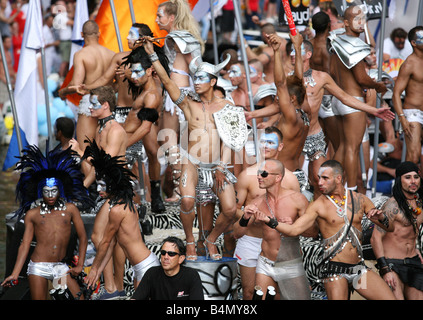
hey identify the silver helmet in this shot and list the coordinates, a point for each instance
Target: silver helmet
(212, 69)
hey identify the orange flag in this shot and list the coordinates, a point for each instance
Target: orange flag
(145, 12)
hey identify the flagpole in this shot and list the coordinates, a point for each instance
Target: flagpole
(131, 10)
(378, 101)
(47, 98)
(11, 95)
(247, 71)
(115, 22)
(213, 23)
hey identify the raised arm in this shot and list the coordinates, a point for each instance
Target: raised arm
(170, 86)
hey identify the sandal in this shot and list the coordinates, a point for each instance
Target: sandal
(192, 257)
(215, 256)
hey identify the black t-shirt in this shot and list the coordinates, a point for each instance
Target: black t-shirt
(156, 285)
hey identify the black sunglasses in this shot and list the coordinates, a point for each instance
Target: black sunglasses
(170, 253)
(265, 174)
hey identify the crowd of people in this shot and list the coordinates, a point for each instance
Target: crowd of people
(280, 162)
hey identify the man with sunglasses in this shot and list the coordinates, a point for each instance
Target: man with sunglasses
(171, 280)
(249, 238)
(280, 262)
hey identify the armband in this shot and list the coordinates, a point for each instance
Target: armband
(243, 222)
(273, 223)
(153, 57)
(383, 266)
(384, 221)
(401, 115)
(180, 99)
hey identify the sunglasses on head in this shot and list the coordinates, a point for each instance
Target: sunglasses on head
(265, 174)
(170, 253)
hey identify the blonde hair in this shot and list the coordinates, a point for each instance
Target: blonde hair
(184, 20)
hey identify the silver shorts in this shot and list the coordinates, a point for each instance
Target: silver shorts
(84, 105)
(247, 251)
(47, 270)
(315, 146)
(141, 268)
(341, 109)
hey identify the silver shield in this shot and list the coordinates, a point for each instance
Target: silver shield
(231, 126)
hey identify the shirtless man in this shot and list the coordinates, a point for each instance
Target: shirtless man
(89, 64)
(140, 123)
(124, 98)
(115, 184)
(410, 112)
(110, 136)
(316, 84)
(247, 189)
(183, 43)
(398, 259)
(204, 154)
(50, 221)
(353, 79)
(343, 265)
(294, 122)
(280, 261)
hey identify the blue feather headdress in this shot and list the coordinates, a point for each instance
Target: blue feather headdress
(58, 167)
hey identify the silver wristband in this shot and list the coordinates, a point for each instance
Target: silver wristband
(153, 57)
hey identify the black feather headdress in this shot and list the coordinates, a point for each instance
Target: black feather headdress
(113, 171)
(38, 169)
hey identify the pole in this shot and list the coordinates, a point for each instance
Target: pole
(131, 10)
(213, 23)
(115, 22)
(420, 14)
(11, 96)
(237, 9)
(378, 101)
(47, 98)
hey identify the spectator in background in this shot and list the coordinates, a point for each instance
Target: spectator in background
(64, 129)
(64, 24)
(51, 43)
(397, 45)
(6, 19)
(17, 38)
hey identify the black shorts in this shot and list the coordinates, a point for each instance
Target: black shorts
(409, 270)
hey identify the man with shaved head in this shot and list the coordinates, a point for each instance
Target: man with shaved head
(89, 64)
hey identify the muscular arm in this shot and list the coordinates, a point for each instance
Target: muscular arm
(400, 85)
(77, 78)
(363, 79)
(331, 86)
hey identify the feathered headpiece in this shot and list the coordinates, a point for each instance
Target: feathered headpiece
(58, 167)
(113, 172)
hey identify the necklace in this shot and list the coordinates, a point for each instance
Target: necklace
(308, 78)
(204, 111)
(60, 205)
(268, 206)
(341, 206)
(103, 122)
(419, 204)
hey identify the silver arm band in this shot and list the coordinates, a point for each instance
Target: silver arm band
(153, 57)
(180, 99)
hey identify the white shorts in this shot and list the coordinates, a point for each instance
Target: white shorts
(325, 110)
(140, 268)
(413, 115)
(247, 251)
(341, 109)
